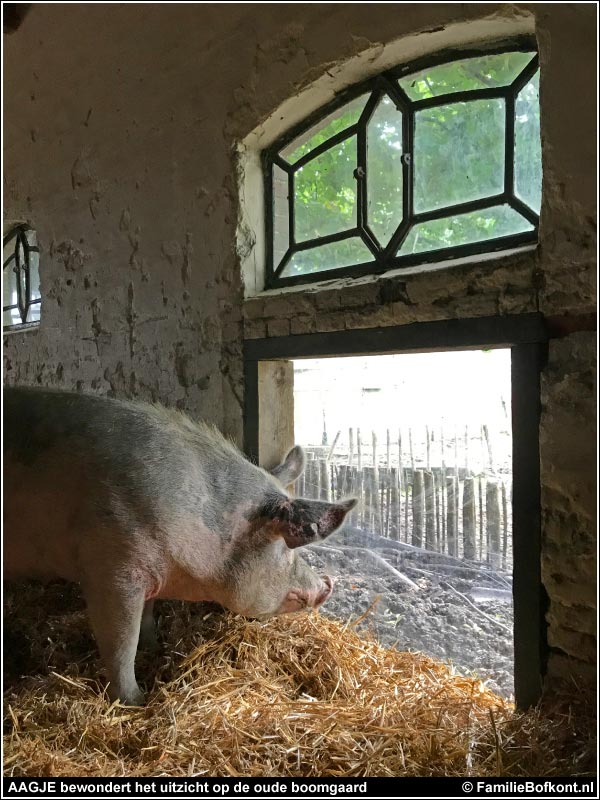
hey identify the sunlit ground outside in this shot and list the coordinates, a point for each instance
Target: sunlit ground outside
(424, 441)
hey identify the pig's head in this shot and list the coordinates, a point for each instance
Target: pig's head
(271, 577)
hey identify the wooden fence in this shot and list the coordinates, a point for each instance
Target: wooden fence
(443, 507)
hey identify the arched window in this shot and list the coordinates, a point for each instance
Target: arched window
(20, 278)
(435, 160)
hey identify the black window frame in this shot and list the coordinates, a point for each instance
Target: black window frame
(22, 269)
(385, 258)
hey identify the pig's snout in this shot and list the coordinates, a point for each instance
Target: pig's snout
(325, 593)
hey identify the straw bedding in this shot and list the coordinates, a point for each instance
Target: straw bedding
(301, 696)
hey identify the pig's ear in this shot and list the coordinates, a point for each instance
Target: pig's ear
(291, 467)
(302, 522)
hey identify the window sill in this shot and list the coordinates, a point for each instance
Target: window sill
(24, 328)
(399, 273)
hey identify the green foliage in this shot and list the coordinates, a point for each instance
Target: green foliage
(459, 153)
(459, 156)
(470, 73)
(329, 256)
(477, 226)
(528, 145)
(384, 170)
(335, 123)
(325, 192)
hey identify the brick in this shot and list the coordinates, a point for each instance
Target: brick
(288, 304)
(327, 301)
(253, 308)
(365, 294)
(278, 327)
(372, 317)
(570, 581)
(576, 618)
(303, 324)
(334, 321)
(255, 329)
(580, 645)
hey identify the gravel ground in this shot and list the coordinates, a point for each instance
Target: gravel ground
(459, 612)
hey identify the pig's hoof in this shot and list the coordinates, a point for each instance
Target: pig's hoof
(134, 697)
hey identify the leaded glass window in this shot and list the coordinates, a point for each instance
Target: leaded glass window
(429, 162)
(21, 299)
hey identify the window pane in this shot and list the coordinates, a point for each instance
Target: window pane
(325, 193)
(281, 225)
(339, 120)
(528, 145)
(11, 317)
(328, 256)
(384, 170)
(471, 73)
(477, 226)
(9, 285)
(34, 272)
(459, 153)
(34, 312)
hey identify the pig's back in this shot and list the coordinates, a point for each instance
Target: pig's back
(77, 462)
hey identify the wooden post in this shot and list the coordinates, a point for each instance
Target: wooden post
(407, 489)
(377, 520)
(301, 483)
(443, 490)
(385, 501)
(387, 442)
(504, 527)
(451, 516)
(359, 449)
(332, 448)
(492, 515)
(394, 504)
(370, 499)
(349, 490)
(410, 447)
(275, 411)
(418, 508)
(470, 539)
(429, 510)
(457, 508)
(482, 555)
(359, 489)
(400, 482)
(324, 480)
(350, 446)
(374, 443)
(312, 479)
(436, 492)
(488, 442)
(427, 445)
(341, 480)
(399, 448)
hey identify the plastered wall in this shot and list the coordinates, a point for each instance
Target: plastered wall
(122, 129)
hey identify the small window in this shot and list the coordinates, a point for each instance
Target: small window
(21, 300)
(428, 162)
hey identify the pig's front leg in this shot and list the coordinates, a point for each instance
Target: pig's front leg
(116, 614)
(148, 638)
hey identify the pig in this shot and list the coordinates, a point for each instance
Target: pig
(138, 502)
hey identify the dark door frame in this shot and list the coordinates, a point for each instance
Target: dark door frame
(526, 335)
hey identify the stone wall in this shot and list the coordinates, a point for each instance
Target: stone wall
(568, 443)
(122, 132)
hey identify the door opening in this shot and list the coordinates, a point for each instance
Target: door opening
(425, 443)
(269, 432)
